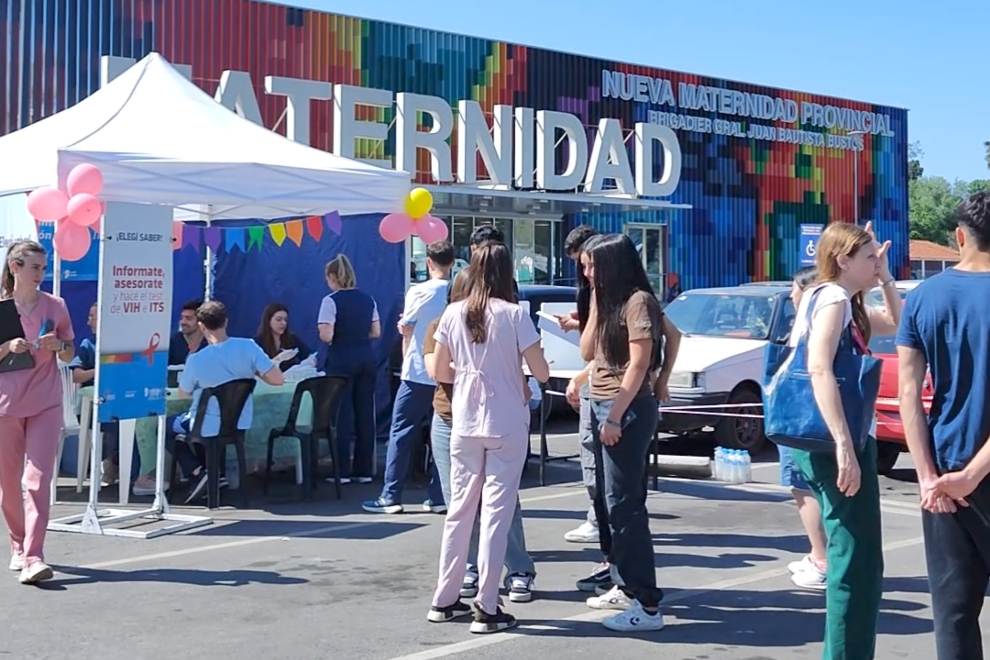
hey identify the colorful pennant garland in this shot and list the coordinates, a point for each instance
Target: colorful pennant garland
(246, 239)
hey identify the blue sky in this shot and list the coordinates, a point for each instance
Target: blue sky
(911, 54)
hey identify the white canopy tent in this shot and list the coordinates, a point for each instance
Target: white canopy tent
(159, 139)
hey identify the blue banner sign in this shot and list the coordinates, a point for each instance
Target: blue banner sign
(135, 299)
(808, 244)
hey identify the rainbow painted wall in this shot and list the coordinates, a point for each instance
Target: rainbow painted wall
(748, 196)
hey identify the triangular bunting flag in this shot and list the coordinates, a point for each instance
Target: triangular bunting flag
(277, 230)
(333, 222)
(213, 238)
(256, 237)
(314, 225)
(234, 238)
(177, 228)
(294, 228)
(192, 236)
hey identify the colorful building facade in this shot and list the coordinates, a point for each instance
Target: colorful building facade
(755, 162)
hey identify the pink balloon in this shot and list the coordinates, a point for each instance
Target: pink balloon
(84, 209)
(71, 241)
(47, 204)
(396, 227)
(84, 178)
(431, 229)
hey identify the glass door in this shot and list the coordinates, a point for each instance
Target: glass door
(649, 242)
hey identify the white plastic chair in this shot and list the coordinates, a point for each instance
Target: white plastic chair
(70, 425)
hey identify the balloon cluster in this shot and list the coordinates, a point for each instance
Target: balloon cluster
(397, 227)
(74, 212)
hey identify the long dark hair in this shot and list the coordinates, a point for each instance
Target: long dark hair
(16, 254)
(619, 274)
(265, 330)
(489, 276)
(584, 286)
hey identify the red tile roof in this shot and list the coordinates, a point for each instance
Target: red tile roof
(932, 251)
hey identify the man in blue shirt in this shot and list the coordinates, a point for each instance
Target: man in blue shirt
(414, 400)
(224, 359)
(946, 328)
(189, 338)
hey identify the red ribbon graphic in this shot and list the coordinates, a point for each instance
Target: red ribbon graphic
(153, 343)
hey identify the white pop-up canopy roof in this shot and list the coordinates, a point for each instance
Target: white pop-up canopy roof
(159, 139)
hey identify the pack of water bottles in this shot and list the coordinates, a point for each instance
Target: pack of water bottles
(733, 466)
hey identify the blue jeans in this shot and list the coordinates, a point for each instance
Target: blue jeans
(790, 474)
(621, 475)
(517, 559)
(413, 405)
(588, 458)
(185, 455)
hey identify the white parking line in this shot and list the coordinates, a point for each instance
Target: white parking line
(597, 615)
(339, 527)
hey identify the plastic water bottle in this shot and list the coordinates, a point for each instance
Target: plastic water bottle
(719, 470)
(747, 467)
(737, 467)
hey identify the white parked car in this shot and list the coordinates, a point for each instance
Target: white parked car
(725, 332)
(875, 297)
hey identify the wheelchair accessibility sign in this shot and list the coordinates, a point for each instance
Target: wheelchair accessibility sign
(808, 244)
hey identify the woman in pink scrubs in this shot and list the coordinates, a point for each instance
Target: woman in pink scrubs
(31, 408)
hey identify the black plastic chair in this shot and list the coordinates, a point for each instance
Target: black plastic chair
(326, 393)
(231, 398)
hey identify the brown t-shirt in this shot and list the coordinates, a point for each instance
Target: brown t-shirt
(444, 391)
(642, 319)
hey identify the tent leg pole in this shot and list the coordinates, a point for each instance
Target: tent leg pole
(57, 276)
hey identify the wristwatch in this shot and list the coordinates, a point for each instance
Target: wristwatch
(613, 423)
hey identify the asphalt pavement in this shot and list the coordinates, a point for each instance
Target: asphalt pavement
(325, 580)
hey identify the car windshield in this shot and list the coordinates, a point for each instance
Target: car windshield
(874, 297)
(722, 314)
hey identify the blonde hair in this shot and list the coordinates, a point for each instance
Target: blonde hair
(16, 254)
(341, 268)
(842, 239)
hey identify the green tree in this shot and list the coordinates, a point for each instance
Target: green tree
(932, 202)
(915, 154)
(986, 145)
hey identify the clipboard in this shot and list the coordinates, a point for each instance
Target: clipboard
(11, 328)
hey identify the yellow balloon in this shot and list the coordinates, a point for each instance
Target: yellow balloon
(419, 203)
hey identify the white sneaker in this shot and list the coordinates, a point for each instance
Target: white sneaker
(37, 572)
(635, 620)
(613, 599)
(811, 578)
(16, 563)
(585, 533)
(806, 563)
(469, 587)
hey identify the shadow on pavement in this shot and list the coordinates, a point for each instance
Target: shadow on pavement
(192, 576)
(734, 618)
(311, 529)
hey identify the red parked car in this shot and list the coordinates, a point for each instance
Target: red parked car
(890, 430)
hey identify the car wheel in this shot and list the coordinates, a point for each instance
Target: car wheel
(742, 432)
(887, 455)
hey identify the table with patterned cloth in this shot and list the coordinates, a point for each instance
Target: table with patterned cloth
(271, 410)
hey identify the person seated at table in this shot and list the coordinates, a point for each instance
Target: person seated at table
(83, 368)
(224, 359)
(189, 338)
(274, 336)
